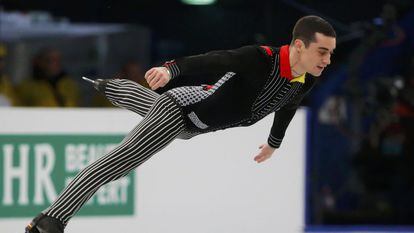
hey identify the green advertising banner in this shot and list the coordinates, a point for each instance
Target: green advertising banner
(35, 168)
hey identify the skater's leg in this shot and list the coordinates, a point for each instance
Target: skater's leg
(126, 94)
(161, 125)
(130, 95)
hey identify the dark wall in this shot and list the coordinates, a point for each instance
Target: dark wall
(227, 24)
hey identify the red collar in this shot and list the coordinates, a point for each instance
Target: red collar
(285, 70)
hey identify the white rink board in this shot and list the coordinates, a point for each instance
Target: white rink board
(207, 184)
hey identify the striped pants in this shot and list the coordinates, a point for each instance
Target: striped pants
(161, 124)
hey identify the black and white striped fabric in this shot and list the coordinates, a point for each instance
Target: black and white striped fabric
(130, 95)
(162, 123)
(277, 93)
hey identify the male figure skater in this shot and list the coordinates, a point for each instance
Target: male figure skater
(246, 84)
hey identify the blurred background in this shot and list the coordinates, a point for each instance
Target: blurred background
(360, 166)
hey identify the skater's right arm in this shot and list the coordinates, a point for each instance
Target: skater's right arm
(248, 59)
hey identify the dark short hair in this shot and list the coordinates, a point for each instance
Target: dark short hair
(306, 27)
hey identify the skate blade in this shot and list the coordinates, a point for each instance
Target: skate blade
(88, 79)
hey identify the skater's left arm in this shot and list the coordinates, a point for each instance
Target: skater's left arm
(265, 153)
(281, 121)
(284, 116)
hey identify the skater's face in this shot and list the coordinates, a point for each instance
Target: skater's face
(317, 55)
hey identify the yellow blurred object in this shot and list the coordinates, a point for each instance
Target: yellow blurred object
(40, 93)
(49, 86)
(8, 91)
(3, 50)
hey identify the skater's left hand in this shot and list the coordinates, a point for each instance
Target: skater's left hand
(265, 153)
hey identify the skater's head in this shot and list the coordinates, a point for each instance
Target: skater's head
(313, 42)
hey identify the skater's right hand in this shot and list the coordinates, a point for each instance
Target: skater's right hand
(157, 77)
